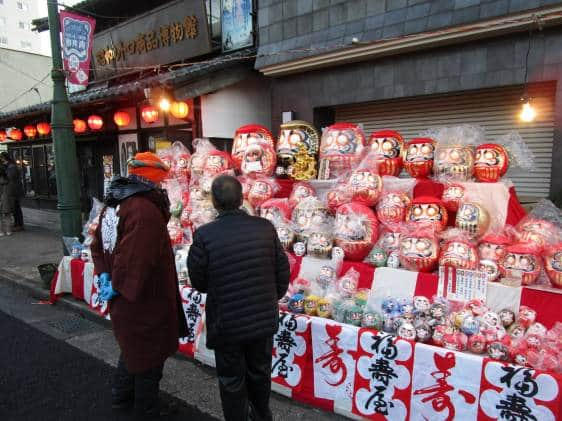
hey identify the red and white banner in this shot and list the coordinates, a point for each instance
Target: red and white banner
(77, 38)
(193, 303)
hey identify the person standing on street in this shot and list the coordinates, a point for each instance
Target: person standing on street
(6, 204)
(133, 256)
(15, 189)
(239, 262)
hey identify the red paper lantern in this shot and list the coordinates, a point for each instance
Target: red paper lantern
(15, 134)
(95, 122)
(44, 128)
(79, 125)
(3, 135)
(122, 118)
(30, 131)
(149, 114)
(179, 109)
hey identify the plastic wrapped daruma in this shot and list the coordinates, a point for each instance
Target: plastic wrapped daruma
(355, 230)
(308, 213)
(292, 136)
(258, 160)
(341, 147)
(456, 161)
(261, 190)
(491, 162)
(365, 186)
(536, 230)
(473, 219)
(522, 260)
(428, 209)
(300, 191)
(419, 248)
(453, 195)
(553, 264)
(217, 162)
(387, 146)
(248, 135)
(276, 210)
(419, 156)
(460, 253)
(392, 207)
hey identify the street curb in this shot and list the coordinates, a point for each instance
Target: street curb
(30, 285)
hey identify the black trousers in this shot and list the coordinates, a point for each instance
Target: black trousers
(140, 390)
(18, 214)
(244, 373)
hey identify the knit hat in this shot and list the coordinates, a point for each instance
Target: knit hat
(149, 166)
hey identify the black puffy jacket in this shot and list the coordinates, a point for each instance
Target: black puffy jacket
(238, 261)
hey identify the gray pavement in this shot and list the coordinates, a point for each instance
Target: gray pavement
(72, 322)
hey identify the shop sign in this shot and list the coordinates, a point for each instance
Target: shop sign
(77, 33)
(167, 34)
(237, 24)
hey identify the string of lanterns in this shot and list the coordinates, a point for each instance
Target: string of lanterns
(149, 113)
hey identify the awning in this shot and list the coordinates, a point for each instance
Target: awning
(188, 80)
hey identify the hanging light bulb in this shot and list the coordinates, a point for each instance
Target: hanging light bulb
(164, 104)
(528, 112)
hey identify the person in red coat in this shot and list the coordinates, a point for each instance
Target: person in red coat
(133, 256)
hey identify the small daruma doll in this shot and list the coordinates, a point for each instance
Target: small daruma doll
(453, 195)
(491, 162)
(419, 249)
(392, 207)
(460, 253)
(258, 160)
(553, 264)
(356, 230)
(293, 135)
(300, 191)
(456, 161)
(386, 147)
(522, 259)
(472, 219)
(428, 209)
(276, 210)
(365, 186)
(217, 162)
(341, 148)
(248, 135)
(418, 159)
(493, 247)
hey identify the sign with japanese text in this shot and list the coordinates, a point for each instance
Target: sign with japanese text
(383, 380)
(237, 24)
(462, 284)
(77, 34)
(444, 386)
(334, 346)
(193, 303)
(290, 349)
(167, 34)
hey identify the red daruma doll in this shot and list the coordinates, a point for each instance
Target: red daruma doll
(258, 160)
(248, 135)
(341, 148)
(419, 248)
(491, 162)
(356, 230)
(418, 159)
(428, 209)
(522, 259)
(387, 145)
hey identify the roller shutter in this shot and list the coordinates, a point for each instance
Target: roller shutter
(496, 110)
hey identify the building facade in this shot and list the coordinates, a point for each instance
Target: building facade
(412, 64)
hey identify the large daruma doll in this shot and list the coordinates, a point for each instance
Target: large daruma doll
(341, 148)
(427, 209)
(491, 162)
(258, 160)
(386, 146)
(248, 135)
(419, 156)
(419, 248)
(355, 230)
(292, 136)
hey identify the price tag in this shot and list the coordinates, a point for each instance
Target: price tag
(462, 284)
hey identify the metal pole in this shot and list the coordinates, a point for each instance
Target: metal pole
(66, 164)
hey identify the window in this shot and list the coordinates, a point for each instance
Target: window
(25, 44)
(214, 20)
(23, 25)
(3, 40)
(22, 6)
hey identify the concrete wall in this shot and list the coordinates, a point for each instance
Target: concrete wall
(19, 71)
(484, 64)
(17, 26)
(320, 24)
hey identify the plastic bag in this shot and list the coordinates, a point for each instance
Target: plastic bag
(310, 211)
(181, 164)
(419, 247)
(261, 190)
(300, 190)
(92, 223)
(202, 148)
(341, 148)
(355, 230)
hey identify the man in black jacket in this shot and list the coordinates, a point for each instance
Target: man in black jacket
(238, 261)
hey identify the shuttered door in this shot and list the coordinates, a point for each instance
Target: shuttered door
(496, 110)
